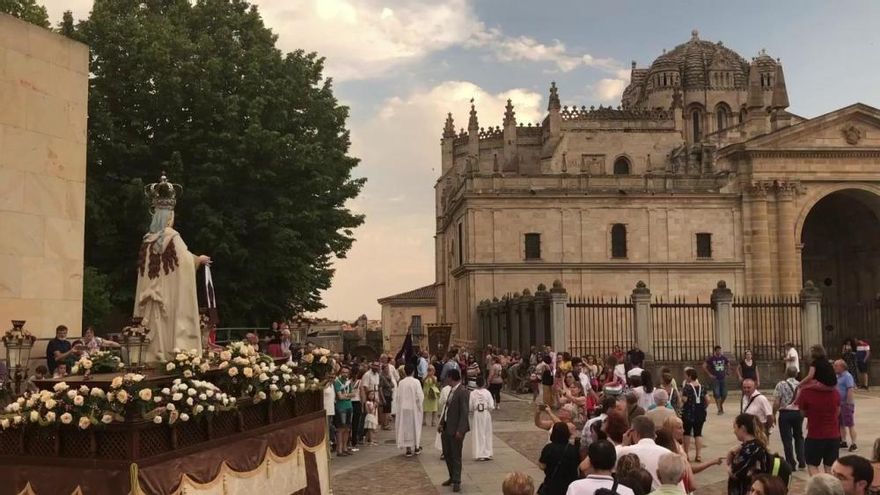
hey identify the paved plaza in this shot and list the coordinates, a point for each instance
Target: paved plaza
(517, 444)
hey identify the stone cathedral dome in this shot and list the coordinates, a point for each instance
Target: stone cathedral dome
(694, 59)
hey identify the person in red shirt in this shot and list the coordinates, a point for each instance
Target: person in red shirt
(820, 406)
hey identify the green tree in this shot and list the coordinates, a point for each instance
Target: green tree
(26, 10)
(256, 137)
(97, 303)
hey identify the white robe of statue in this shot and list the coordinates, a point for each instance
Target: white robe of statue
(441, 403)
(481, 403)
(167, 301)
(407, 407)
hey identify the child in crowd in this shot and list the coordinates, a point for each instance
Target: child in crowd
(820, 368)
(41, 373)
(371, 420)
(60, 370)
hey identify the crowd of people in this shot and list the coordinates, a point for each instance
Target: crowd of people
(613, 425)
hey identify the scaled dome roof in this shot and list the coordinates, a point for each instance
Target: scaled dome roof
(694, 58)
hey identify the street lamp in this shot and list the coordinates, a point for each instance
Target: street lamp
(19, 343)
(135, 341)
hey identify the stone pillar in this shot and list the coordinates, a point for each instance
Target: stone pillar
(811, 317)
(787, 253)
(759, 275)
(722, 303)
(513, 311)
(525, 323)
(641, 299)
(482, 327)
(542, 297)
(558, 327)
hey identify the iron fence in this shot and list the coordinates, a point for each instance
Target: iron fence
(763, 324)
(843, 321)
(596, 325)
(681, 330)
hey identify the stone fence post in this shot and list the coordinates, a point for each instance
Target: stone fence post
(641, 299)
(558, 327)
(722, 303)
(811, 317)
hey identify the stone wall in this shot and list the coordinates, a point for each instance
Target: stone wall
(43, 105)
(396, 320)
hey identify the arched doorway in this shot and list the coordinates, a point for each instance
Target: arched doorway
(841, 255)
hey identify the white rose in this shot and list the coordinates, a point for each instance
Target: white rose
(66, 418)
(137, 377)
(87, 364)
(205, 395)
(187, 373)
(189, 401)
(34, 416)
(170, 407)
(84, 390)
(225, 355)
(233, 371)
(71, 394)
(287, 388)
(191, 392)
(4, 423)
(169, 367)
(176, 350)
(184, 417)
(198, 409)
(261, 395)
(176, 397)
(157, 399)
(50, 416)
(107, 419)
(14, 407)
(157, 420)
(122, 396)
(209, 393)
(204, 367)
(248, 372)
(166, 391)
(74, 370)
(273, 387)
(16, 419)
(78, 400)
(183, 387)
(263, 377)
(223, 365)
(97, 392)
(145, 394)
(84, 423)
(211, 408)
(177, 381)
(60, 387)
(116, 383)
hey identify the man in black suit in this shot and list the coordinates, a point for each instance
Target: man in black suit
(453, 426)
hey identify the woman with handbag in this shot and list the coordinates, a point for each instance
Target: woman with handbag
(559, 460)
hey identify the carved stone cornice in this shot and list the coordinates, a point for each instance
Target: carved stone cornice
(758, 189)
(827, 153)
(787, 190)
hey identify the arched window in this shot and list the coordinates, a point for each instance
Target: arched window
(621, 166)
(722, 116)
(618, 240)
(697, 128)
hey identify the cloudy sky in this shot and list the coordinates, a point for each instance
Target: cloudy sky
(402, 64)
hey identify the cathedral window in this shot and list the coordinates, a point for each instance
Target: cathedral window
(695, 122)
(533, 246)
(460, 244)
(621, 166)
(618, 240)
(722, 116)
(704, 245)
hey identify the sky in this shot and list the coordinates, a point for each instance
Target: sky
(401, 65)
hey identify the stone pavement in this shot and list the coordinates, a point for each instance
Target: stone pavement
(517, 443)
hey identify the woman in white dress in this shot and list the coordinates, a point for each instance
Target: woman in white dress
(481, 405)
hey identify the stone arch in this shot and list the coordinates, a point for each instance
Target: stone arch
(723, 116)
(839, 231)
(696, 122)
(814, 195)
(622, 165)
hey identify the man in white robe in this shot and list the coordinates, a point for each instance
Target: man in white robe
(480, 405)
(166, 284)
(408, 408)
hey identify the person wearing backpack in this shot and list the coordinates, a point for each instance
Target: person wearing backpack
(790, 422)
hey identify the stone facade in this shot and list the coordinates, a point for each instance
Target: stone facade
(44, 81)
(405, 312)
(700, 175)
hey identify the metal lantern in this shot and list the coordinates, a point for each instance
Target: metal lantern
(18, 343)
(135, 343)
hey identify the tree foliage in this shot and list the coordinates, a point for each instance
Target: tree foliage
(256, 138)
(26, 10)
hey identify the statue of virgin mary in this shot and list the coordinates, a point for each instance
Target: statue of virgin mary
(166, 279)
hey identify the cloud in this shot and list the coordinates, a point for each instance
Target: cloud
(609, 89)
(364, 39)
(399, 145)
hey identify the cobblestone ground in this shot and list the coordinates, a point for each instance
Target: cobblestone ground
(389, 475)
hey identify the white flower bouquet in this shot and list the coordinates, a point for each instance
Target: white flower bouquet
(83, 407)
(97, 362)
(187, 400)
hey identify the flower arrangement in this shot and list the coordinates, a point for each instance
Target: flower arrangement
(136, 331)
(97, 362)
(127, 390)
(186, 400)
(83, 407)
(189, 364)
(18, 335)
(318, 363)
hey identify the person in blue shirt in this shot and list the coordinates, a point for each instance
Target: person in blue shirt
(845, 387)
(717, 366)
(59, 350)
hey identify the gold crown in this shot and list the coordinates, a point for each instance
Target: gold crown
(162, 194)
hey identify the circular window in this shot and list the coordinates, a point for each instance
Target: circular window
(827, 282)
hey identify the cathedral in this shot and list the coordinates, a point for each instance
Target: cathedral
(700, 175)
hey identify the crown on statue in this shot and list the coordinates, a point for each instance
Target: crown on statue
(162, 194)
